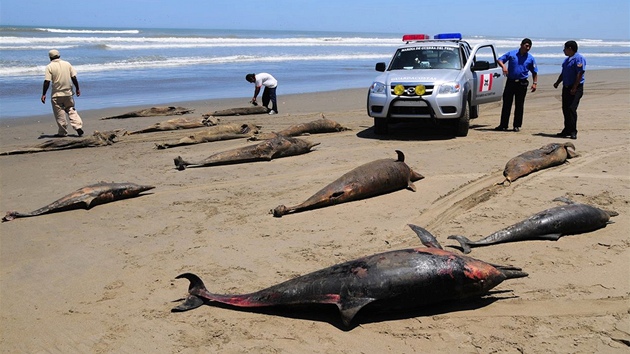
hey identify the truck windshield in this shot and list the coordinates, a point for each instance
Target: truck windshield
(434, 57)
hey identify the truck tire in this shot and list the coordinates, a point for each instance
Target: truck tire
(463, 122)
(380, 126)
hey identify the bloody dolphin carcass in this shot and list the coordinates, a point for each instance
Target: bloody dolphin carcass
(153, 112)
(318, 126)
(95, 140)
(531, 161)
(280, 146)
(368, 180)
(214, 133)
(86, 198)
(175, 124)
(401, 279)
(551, 224)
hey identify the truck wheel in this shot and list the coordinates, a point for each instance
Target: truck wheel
(380, 126)
(463, 122)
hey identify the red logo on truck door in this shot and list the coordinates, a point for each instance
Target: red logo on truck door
(485, 82)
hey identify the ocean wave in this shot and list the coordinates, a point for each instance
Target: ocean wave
(95, 31)
(156, 61)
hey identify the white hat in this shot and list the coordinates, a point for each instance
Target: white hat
(53, 53)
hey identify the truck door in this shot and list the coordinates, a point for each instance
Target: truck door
(487, 79)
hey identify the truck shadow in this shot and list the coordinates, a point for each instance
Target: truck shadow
(411, 131)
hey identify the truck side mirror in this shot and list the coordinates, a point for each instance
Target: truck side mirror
(480, 65)
(380, 67)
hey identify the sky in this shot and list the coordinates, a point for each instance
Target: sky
(563, 19)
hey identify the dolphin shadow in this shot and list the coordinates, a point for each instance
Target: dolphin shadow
(371, 313)
(411, 131)
(49, 136)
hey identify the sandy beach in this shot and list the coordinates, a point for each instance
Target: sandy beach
(103, 280)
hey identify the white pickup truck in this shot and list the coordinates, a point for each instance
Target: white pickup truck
(442, 79)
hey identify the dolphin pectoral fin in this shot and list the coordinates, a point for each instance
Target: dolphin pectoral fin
(350, 307)
(411, 186)
(191, 303)
(463, 242)
(551, 237)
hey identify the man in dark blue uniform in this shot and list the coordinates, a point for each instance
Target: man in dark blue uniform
(519, 64)
(572, 78)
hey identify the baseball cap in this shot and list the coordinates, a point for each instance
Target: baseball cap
(53, 53)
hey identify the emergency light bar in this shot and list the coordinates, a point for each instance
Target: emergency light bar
(415, 37)
(448, 36)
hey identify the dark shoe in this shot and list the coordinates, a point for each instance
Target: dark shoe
(562, 135)
(501, 129)
(80, 132)
(574, 136)
(517, 129)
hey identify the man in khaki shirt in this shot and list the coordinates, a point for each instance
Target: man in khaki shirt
(62, 75)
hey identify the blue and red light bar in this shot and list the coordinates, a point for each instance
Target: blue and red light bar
(422, 37)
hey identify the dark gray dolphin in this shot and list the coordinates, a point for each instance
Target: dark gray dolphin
(551, 224)
(400, 279)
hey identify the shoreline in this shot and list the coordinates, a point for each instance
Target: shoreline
(102, 280)
(208, 105)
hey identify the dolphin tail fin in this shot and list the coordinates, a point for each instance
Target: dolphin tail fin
(425, 236)
(463, 241)
(192, 301)
(180, 163)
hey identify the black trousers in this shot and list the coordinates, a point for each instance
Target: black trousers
(269, 94)
(513, 92)
(570, 104)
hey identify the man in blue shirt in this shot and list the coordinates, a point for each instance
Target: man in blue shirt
(572, 78)
(519, 64)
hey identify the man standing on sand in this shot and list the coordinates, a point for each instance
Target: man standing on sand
(62, 75)
(269, 94)
(572, 78)
(519, 63)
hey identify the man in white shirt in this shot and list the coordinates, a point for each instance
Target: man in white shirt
(62, 75)
(269, 94)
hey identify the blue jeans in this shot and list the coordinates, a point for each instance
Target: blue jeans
(270, 94)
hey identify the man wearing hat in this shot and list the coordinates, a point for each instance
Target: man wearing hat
(62, 75)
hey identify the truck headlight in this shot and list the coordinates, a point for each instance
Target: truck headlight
(378, 88)
(449, 88)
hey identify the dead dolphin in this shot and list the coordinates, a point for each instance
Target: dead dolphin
(550, 224)
(280, 146)
(368, 180)
(240, 111)
(176, 124)
(531, 161)
(401, 279)
(86, 198)
(318, 126)
(153, 112)
(97, 139)
(215, 133)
